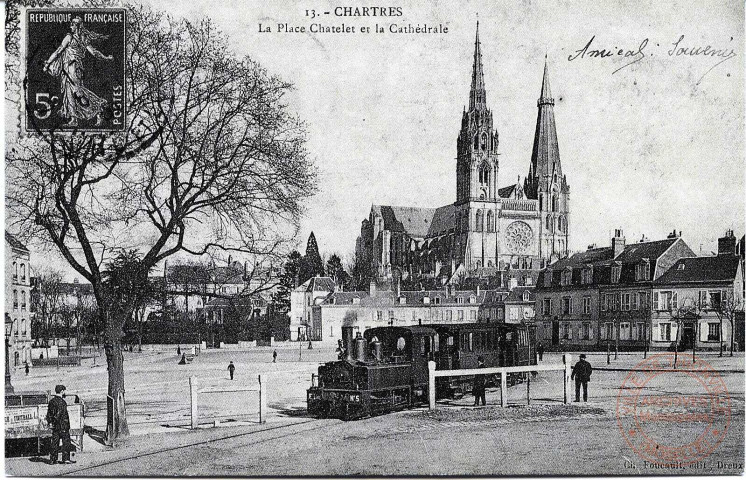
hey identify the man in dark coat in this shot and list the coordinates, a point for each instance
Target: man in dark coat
(59, 422)
(478, 389)
(581, 372)
(231, 369)
(274, 357)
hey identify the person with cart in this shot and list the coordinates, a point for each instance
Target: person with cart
(59, 421)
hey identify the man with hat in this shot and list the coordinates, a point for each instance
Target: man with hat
(59, 422)
(581, 372)
(478, 389)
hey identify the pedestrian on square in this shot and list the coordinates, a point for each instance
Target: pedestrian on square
(178, 350)
(478, 389)
(59, 422)
(274, 357)
(581, 372)
(231, 369)
(26, 368)
(540, 351)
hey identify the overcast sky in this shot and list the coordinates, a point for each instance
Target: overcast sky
(656, 146)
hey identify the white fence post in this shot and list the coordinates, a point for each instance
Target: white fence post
(566, 359)
(262, 401)
(193, 399)
(431, 384)
(503, 389)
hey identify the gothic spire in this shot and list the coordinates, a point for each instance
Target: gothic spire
(545, 157)
(477, 95)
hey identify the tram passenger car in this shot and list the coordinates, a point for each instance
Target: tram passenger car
(386, 369)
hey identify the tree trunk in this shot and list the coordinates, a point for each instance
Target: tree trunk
(116, 425)
(732, 334)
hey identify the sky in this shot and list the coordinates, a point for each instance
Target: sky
(649, 142)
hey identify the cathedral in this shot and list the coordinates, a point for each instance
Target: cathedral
(488, 229)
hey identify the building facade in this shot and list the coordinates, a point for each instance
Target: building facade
(601, 298)
(18, 299)
(487, 229)
(302, 299)
(699, 301)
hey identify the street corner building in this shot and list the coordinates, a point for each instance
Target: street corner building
(487, 229)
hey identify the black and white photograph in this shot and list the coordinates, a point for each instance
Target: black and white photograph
(414, 239)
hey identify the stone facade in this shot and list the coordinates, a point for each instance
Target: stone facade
(487, 229)
(18, 299)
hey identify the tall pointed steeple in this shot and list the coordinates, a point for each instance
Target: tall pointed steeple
(478, 94)
(546, 170)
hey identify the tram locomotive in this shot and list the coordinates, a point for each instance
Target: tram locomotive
(385, 369)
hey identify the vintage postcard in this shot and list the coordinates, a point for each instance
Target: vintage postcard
(460, 238)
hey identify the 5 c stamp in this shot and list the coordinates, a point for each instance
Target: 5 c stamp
(75, 69)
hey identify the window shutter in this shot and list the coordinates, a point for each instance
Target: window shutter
(674, 331)
(569, 336)
(655, 300)
(704, 331)
(675, 300)
(590, 332)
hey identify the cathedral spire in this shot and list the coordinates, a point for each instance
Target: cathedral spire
(545, 170)
(477, 95)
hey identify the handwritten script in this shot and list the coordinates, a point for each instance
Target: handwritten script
(635, 54)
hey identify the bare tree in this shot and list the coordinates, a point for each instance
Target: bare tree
(729, 308)
(211, 158)
(46, 300)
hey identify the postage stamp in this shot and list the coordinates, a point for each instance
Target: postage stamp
(75, 69)
(667, 427)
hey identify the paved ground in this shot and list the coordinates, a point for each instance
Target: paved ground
(546, 437)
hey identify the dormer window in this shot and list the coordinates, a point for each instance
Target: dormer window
(356, 301)
(616, 272)
(526, 296)
(567, 276)
(402, 300)
(472, 299)
(547, 278)
(426, 300)
(587, 275)
(460, 300)
(436, 300)
(642, 270)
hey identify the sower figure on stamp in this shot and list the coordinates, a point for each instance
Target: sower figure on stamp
(478, 389)
(231, 369)
(67, 64)
(581, 372)
(59, 422)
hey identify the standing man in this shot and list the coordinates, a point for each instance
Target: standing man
(581, 372)
(478, 389)
(26, 368)
(231, 369)
(274, 356)
(540, 351)
(59, 422)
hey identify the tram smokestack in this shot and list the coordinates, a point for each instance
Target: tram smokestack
(347, 342)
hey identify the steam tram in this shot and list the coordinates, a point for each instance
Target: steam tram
(386, 368)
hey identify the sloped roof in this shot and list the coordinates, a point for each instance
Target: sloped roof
(516, 295)
(721, 268)
(634, 252)
(593, 255)
(318, 284)
(506, 192)
(417, 222)
(11, 240)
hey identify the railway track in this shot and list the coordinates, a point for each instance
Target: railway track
(285, 431)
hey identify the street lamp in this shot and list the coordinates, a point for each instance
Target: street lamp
(8, 331)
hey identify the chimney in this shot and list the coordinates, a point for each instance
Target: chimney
(673, 234)
(591, 246)
(617, 243)
(727, 244)
(477, 290)
(372, 288)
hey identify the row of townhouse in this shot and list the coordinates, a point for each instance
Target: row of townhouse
(18, 314)
(640, 295)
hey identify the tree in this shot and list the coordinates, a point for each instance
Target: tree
(312, 265)
(46, 299)
(288, 281)
(211, 159)
(335, 270)
(361, 273)
(729, 308)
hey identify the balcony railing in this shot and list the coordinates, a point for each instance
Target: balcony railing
(520, 205)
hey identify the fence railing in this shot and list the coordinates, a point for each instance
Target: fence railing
(194, 394)
(63, 361)
(503, 372)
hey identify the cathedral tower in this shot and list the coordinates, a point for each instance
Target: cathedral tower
(476, 175)
(545, 181)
